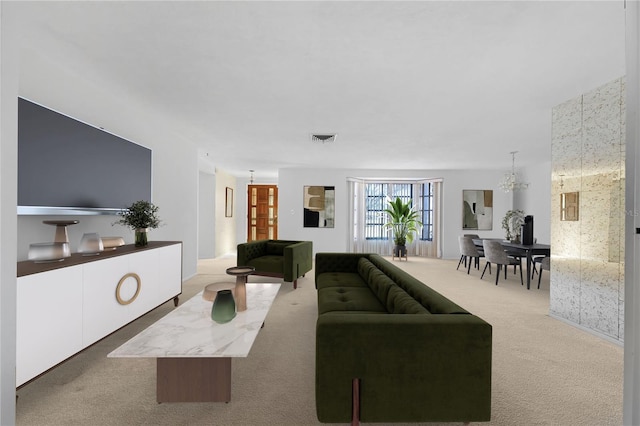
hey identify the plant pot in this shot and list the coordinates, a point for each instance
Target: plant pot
(141, 237)
(400, 251)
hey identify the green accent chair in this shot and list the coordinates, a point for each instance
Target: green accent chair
(289, 260)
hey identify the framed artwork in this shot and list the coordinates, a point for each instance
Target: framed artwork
(477, 209)
(319, 204)
(228, 203)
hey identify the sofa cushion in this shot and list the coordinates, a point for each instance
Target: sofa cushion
(276, 248)
(365, 267)
(433, 301)
(380, 284)
(354, 299)
(268, 263)
(399, 302)
(339, 279)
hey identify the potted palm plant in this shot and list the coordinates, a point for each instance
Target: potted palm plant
(140, 216)
(404, 223)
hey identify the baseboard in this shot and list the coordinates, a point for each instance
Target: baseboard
(588, 330)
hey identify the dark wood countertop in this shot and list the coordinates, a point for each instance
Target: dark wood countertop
(29, 267)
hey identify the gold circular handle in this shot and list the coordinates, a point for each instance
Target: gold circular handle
(118, 298)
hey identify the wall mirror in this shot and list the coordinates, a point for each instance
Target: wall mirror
(477, 209)
(569, 206)
(319, 206)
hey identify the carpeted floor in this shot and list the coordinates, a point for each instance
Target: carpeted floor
(545, 372)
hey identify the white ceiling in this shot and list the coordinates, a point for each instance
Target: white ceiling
(412, 85)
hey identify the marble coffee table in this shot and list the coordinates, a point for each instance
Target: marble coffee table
(193, 352)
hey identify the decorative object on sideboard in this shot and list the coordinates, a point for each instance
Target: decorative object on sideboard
(511, 181)
(112, 243)
(224, 307)
(62, 236)
(140, 217)
(511, 223)
(49, 252)
(90, 244)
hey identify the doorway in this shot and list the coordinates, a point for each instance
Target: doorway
(262, 212)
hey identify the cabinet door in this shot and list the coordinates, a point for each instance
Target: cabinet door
(48, 320)
(145, 266)
(102, 312)
(170, 272)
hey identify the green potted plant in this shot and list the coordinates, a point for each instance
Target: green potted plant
(511, 223)
(404, 223)
(140, 216)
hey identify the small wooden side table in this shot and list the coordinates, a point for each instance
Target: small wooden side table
(241, 273)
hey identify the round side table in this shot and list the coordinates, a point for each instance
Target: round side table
(241, 273)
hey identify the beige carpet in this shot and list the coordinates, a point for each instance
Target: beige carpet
(545, 372)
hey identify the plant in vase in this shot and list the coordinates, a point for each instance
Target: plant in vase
(511, 223)
(140, 217)
(404, 223)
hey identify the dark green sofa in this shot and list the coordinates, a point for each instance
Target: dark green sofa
(416, 355)
(289, 260)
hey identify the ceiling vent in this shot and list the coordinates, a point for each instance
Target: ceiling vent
(323, 137)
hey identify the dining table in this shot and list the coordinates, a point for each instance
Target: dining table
(523, 250)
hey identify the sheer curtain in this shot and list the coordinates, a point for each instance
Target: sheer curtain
(357, 242)
(432, 248)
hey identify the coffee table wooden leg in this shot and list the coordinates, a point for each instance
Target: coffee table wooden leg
(193, 380)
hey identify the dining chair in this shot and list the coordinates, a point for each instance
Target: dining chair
(462, 256)
(545, 264)
(470, 252)
(494, 253)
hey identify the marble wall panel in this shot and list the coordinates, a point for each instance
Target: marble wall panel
(599, 297)
(594, 230)
(621, 306)
(587, 283)
(566, 146)
(564, 294)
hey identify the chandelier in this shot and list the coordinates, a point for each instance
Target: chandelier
(510, 182)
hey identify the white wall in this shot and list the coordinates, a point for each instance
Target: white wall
(9, 71)
(175, 160)
(206, 216)
(291, 182)
(536, 200)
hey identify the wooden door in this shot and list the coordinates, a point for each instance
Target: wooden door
(262, 211)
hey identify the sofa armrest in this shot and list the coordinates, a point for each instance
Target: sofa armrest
(337, 262)
(298, 259)
(411, 367)
(249, 251)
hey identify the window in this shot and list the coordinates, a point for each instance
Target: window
(426, 211)
(377, 196)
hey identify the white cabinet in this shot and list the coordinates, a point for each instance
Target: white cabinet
(62, 311)
(48, 321)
